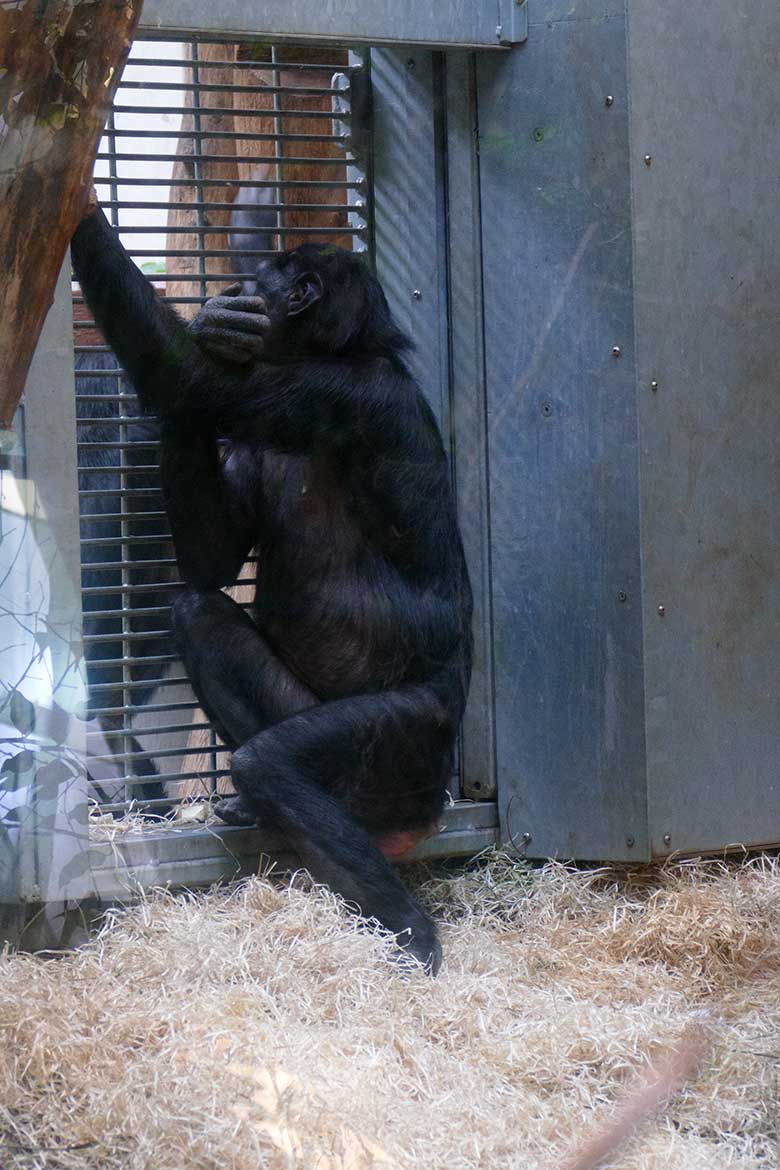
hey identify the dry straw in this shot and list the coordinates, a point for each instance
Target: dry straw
(262, 1028)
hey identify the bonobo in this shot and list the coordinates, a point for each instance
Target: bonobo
(290, 424)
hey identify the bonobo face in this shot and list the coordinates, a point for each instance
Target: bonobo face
(288, 285)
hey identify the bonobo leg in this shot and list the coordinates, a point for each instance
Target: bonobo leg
(240, 683)
(331, 777)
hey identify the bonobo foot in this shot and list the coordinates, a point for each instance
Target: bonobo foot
(233, 811)
(421, 943)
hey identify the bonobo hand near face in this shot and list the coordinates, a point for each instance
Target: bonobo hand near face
(290, 424)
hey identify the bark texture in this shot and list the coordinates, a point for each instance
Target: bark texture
(60, 62)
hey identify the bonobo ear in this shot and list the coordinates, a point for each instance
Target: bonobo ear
(306, 291)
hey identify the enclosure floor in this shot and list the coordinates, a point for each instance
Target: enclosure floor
(143, 1050)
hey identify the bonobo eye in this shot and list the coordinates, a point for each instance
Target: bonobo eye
(306, 291)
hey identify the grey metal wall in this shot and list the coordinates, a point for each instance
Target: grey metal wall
(705, 101)
(629, 190)
(564, 503)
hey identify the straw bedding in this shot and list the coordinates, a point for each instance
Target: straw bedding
(260, 1027)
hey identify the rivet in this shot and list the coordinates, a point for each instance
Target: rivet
(648, 160)
(667, 838)
(416, 294)
(630, 842)
(526, 838)
(608, 100)
(654, 386)
(546, 409)
(622, 595)
(661, 610)
(616, 351)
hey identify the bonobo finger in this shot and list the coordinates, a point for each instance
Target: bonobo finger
(232, 290)
(238, 304)
(219, 318)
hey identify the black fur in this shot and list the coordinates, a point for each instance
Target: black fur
(341, 695)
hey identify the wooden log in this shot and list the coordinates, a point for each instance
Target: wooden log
(60, 62)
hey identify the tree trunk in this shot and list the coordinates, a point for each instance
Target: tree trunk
(60, 62)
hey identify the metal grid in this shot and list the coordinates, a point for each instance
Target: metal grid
(191, 125)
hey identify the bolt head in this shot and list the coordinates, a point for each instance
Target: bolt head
(416, 294)
(648, 160)
(654, 386)
(526, 838)
(661, 610)
(411, 63)
(667, 838)
(622, 595)
(616, 351)
(608, 100)
(630, 842)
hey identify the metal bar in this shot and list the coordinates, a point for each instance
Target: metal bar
(303, 160)
(194, 204)
(154, 753)
(133, 660)
(173, 62)
(160, 729)
(150, 587)
(207, 230)
(130, 445)
(139, 683)
(146, 709)
(229, 135)
(215, 111)
(205, 87)
(132, 636)
(313, 184)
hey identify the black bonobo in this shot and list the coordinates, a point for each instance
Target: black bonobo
(290, 424)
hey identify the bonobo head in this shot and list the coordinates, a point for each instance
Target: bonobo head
(322, 299)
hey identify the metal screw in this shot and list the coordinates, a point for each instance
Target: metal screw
(630, 842)
(616, 351)
(546, 409)
(622, 595)
(654, 386)
(648, 160)
(661, 610)
(608, 100)
(667, 838)
(526, 838)
(416, 294)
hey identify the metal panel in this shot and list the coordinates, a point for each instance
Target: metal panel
(706, 109)
(199, 856)
(484, 23)
(409, 228)
(469, 438)
(563, 446)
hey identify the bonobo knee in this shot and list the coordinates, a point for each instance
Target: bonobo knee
(187, 608)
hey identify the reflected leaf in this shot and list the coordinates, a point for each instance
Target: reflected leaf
(49, 778)
(11, 773)
(22, 713)
(78, 866)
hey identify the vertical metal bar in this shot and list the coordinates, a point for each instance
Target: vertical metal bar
(278, 148)
(197, 165)
(124, 509)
